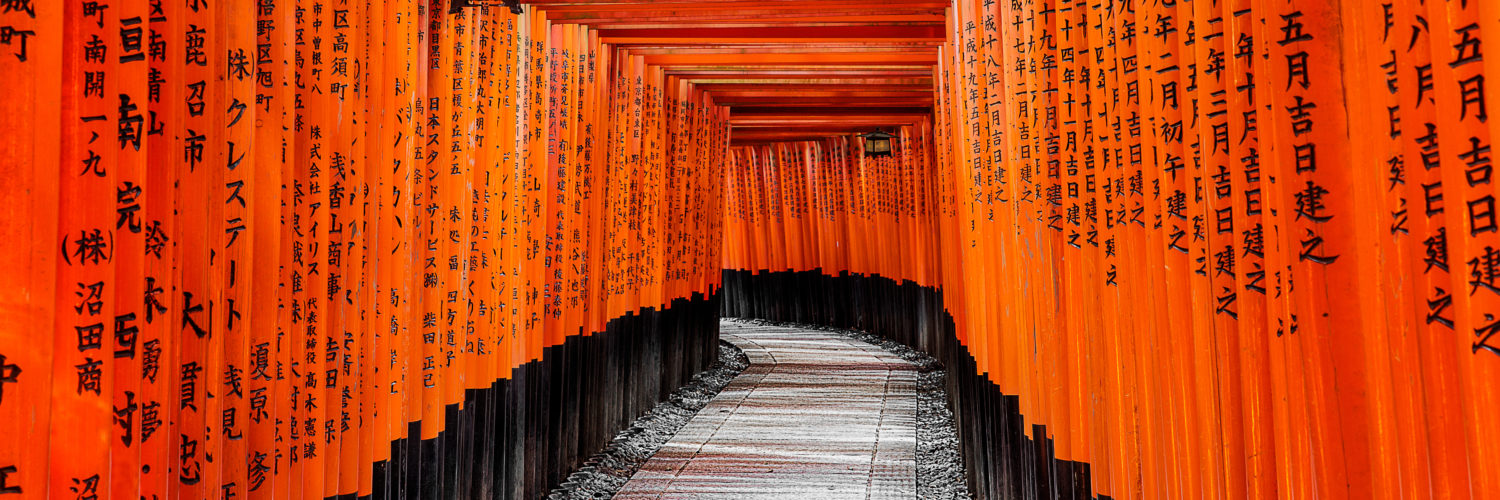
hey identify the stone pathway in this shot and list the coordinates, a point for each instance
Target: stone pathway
(816, 416)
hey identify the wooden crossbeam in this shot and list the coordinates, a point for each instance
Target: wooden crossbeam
(786, 68)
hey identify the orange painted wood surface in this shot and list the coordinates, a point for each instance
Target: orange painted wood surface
(255, 239)
(1218, 248)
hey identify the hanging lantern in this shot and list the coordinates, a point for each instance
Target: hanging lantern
(877, 143)
(457, 5)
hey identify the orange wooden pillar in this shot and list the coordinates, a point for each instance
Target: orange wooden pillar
(34, 60)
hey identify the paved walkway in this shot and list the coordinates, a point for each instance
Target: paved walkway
(815, 416)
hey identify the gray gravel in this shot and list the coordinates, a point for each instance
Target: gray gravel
(603, 474)
(940, 469)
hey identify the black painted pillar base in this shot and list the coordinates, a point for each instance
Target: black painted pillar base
(523, 435)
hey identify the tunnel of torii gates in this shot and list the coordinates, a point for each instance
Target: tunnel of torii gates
(403, 249)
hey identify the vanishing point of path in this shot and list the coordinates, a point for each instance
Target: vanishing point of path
(816, 415)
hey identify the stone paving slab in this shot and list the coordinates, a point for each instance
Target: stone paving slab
(816, 415)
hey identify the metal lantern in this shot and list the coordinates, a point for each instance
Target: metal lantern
(877, 143)
(457, 5)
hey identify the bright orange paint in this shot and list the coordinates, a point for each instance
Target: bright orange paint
(351, 212)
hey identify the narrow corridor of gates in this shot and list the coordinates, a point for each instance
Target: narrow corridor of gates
(448, 248)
